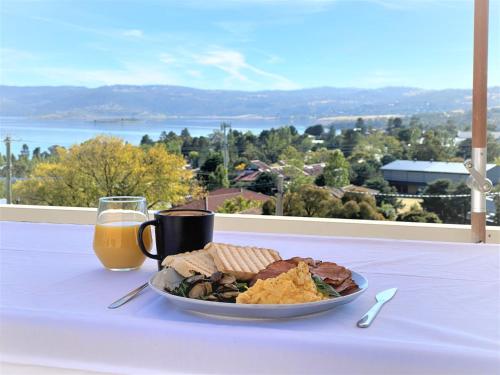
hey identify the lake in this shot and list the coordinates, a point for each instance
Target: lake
(46, 133)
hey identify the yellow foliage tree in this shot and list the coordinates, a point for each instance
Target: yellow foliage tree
(107, 166)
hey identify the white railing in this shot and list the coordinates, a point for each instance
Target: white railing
(273, 224)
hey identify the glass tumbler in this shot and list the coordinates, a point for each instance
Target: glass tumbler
(115, 235)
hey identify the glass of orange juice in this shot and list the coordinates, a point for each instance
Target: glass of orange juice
(115, 235)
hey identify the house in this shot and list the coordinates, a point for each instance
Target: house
(215, 199)
(409, 176)
(339, 192)
(314, 170)
(257, 167)
(253, 171)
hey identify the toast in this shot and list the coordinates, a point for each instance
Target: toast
(243, 262)
(186, 264)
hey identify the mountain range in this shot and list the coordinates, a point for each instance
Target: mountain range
(161, 102)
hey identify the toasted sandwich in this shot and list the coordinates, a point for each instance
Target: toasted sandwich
(243, 262)
(186, 264)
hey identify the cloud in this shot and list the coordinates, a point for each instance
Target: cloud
(134, 33)
(235, 65)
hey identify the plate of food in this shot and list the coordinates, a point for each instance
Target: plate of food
(255, 283)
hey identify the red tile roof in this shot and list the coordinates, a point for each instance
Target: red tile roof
(216, 198)
(248, 176)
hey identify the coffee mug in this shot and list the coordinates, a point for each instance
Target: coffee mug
(177, 231)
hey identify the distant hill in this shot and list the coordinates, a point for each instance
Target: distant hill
(160, 102)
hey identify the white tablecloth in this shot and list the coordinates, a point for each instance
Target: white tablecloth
(445, 318)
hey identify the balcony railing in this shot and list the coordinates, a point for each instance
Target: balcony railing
(274, 224)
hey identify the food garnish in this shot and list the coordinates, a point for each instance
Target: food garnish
(325, 288)
(218, 287)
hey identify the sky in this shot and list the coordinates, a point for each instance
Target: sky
(243, 44)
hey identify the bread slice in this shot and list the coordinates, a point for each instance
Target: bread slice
(186, 264)
(243, 262)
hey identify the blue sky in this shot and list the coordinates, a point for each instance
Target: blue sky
(245, 45)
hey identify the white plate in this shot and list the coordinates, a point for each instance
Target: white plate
(260, 311)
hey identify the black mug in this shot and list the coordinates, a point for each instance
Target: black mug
(177, 231)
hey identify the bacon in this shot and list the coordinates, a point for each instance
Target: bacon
(273, 270)
(332, 273)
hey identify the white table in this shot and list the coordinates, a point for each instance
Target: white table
(444, 319)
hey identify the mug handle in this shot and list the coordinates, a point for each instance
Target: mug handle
(141, 241)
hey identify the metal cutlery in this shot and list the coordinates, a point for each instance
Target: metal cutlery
(381, 298)
(132, 294)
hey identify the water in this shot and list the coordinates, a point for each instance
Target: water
(46, 133)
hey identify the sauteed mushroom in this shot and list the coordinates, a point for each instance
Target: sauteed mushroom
(229, 295)
(194, 279)
(227, 279)
(200, 289)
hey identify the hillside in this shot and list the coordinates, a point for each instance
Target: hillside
(150, 102)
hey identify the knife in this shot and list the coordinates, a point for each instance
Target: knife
(381, 298)
(127, 297)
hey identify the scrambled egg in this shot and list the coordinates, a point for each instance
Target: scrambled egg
(294, 286)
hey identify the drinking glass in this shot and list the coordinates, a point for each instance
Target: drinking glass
(115, 235)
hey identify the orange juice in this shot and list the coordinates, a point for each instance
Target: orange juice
(115, 244)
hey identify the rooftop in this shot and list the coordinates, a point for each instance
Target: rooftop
(216, 198)
(429, 166)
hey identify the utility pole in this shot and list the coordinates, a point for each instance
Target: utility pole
(225, 149)
(8, 186)
(279, 197)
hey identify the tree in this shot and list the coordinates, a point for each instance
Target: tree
(336, 171)
(218, 179)
(360, 125)
(237, 204)
(194, 158)
(212, 162)
(107, 166)
(37, 153)
(146, 140)
(25, 152)
(315, 130)
(309, 201)
(265, 183)
(185, 134)
(451, 210)
(378, 183)
(419, 216)
(269, 207)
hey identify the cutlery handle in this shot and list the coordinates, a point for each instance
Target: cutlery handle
(367, 319)
(127, 297)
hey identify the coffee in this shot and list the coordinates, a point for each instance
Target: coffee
(183, 213)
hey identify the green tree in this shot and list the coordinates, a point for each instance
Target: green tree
(451, 210)
(213, 160)
(218, 179)
(269, 207)
(265, 183)
(237, 204)
(146, 140)
(309, 201)
(378, 183)
(419, 216)
(315, 130)
(336, 171)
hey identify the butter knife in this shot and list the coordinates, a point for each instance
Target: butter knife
(127, 297)
(381, 298)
